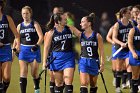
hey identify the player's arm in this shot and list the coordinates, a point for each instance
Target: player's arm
(75, 31)
(47, 45)
(15, 32)
(101, 52)
(109, 36)
(115, 35)
(130, 43)
(39, 32)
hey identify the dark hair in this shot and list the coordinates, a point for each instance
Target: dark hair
(137, 6)
(123, 11)
(53, 19)
(57, 17)
(2, 4)
(60, 9)
(91, 18)
(130, 7)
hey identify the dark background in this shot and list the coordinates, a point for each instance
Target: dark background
(80, 8)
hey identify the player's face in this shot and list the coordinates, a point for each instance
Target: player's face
(56, 10)
(135, 12)
(84, 23)
(64, 19)
(128, 14)
(26, 14)
(138, 19)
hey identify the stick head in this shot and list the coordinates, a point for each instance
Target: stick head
(108, 58)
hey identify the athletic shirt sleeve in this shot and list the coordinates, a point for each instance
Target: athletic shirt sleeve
(28, 34)
(4, 30)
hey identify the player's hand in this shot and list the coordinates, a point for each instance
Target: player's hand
(35, 48)
(44, 65)
(123, 45)
(16, 46)
(101, 68)
(135, 55)
(16, 52)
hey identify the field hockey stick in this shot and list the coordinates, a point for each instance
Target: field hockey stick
(45, 70)
(45, 81)
(48, 64)
(102, 77)
(109, 58)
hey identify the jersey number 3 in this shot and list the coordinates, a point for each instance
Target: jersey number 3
(1, 34)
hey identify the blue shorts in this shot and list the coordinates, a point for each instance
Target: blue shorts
(133, 61)
(5, 53)
(113, 51)
(63, 60)
(90, 66)
(27, 55)
(122, 55)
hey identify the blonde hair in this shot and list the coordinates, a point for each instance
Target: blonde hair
(28, 8)
(117, 15)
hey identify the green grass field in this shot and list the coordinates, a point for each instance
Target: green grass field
(15, 87)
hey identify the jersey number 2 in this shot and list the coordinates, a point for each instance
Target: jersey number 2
(27, 37)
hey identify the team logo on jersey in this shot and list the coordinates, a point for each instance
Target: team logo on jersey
(27, 30)
(126, 30)
(88, 43)
(62, 37)
(3, 25)
(136, 37)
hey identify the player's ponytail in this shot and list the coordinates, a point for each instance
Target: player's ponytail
(51, 23)
(2, 4)
(55, 18)
(91, 18)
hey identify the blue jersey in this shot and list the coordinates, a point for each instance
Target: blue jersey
(134, 22)
(28, 34)
(123, 34)
(136, 44)
(88, 62)
(5, 51)
(4, 30)
(62, 49)
(89, 46)
(28, 38)
(136, 39)
(62, 41)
